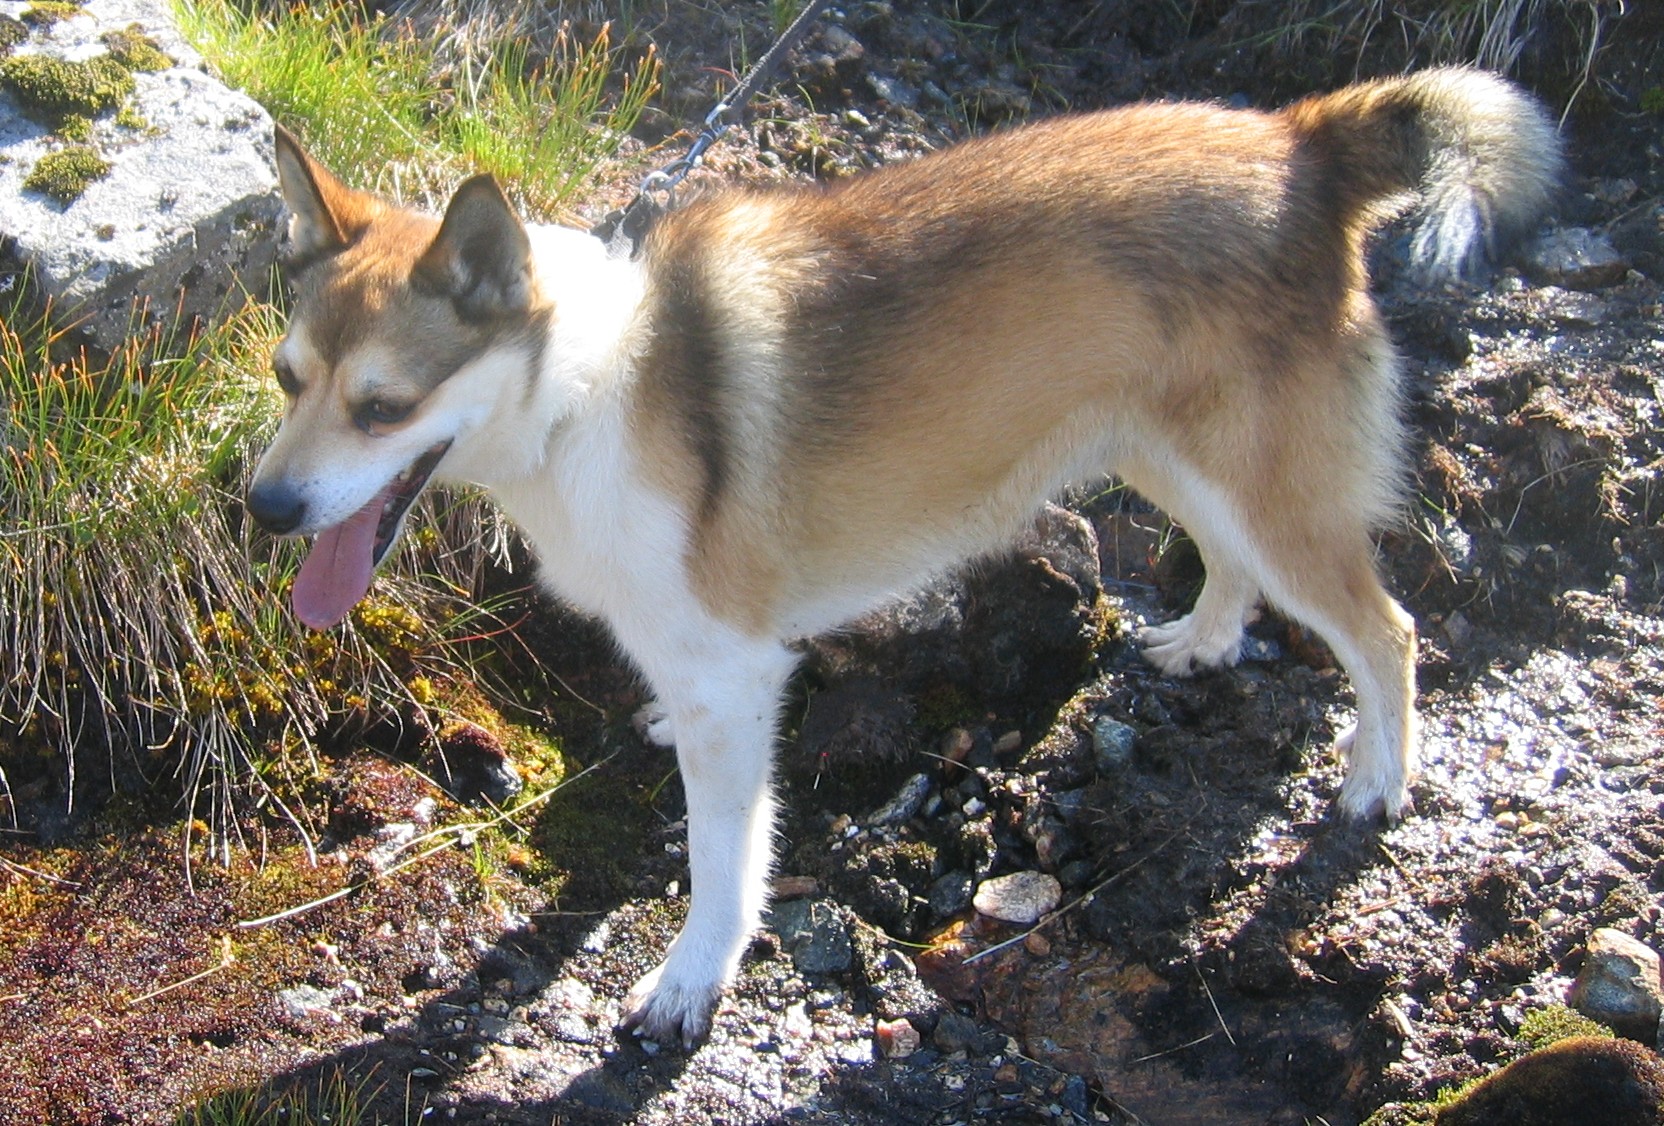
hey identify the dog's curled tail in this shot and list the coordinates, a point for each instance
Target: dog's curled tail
(1482, 158)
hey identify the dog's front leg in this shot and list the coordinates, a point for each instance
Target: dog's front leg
(722, 709)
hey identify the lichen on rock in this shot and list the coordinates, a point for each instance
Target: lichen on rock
(65, 174)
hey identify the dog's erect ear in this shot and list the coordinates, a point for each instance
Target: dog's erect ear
(325, 214)
(481, 258)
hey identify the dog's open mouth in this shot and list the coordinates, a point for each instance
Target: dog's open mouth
(337, 571)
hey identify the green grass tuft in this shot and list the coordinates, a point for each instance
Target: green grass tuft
(409, 114)
(334, 1099)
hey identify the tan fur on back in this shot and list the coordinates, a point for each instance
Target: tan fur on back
(946, 343)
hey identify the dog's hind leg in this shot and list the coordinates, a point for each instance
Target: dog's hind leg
(1312, 557)
(1335, 591)
(721, 692)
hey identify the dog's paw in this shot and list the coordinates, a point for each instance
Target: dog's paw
(652, 723)
(1372, 789)
(665, 1010)
(1182, 647)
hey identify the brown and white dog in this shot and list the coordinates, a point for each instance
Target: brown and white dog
(798, 402)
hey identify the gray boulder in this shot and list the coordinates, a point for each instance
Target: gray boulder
(184, 219)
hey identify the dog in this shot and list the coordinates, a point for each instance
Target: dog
(797, 402)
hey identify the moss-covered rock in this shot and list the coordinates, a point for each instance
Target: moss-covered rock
(12, 32)
(45, 13)
(59, 87)
(65, 174)
(1553, 1023)
(135, 50)
(75, 127)
(1582, 1079)
(129, 118)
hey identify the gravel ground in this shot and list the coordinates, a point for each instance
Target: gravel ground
(1212, 946)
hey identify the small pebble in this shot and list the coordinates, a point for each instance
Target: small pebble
(897, 1039)
(795, 887)
(1112, 743)
(957, 744)
(1021, 898)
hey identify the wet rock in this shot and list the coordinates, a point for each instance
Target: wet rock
(813, 932)
(1619, 985)
(1571, 1082)
(951, 894)
(1112, 744)
(956, 1032)
(1575, 258)
(893, 90)
(562, 1010)
(1260, 650)
(1640, 237)
(906, 804)
(1575, 309)
(1020, 898)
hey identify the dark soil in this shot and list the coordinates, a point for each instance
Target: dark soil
(1225, 950)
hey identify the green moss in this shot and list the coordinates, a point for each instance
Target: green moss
(12, 32)
(135, 50)
(1402, 1114)
(75, 127)
(1652, 99)
(1553, 1023)
(129, 118)
(60, 87)
(65, 174)
(45, 13)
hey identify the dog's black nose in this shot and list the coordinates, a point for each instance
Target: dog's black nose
(277, 508)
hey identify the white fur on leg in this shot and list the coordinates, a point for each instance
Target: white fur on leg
(721, 703)
(1210, 635)
(1377, 776)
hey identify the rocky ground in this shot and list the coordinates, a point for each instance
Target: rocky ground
(1204, 942)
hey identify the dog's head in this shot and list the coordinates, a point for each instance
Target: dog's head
(403, 332)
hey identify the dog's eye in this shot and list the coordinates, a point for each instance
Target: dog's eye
(286, 377)
(381, 412)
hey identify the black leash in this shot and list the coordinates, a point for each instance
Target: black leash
(624, 228)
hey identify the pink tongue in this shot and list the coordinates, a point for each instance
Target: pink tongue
(336, 573)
